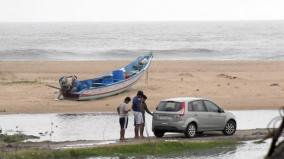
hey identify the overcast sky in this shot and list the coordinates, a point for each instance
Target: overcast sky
(140, 10)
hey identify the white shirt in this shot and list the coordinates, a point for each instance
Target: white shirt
(123, 110)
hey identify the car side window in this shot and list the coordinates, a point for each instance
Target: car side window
(211, 107)
(190, 109)
(196, 106)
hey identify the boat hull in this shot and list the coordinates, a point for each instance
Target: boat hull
(114, 89)
(109, 89)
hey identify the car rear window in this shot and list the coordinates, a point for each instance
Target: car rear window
(169, 106)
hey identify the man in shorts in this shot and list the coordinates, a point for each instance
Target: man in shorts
(122, 111)
(138, 117)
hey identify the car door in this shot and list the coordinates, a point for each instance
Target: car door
(216, 117)
(198, 111)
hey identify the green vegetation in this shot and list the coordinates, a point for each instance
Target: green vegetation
(259, 142)
(123, 150)
(4, 138)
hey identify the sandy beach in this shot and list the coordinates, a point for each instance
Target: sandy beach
(231, 84)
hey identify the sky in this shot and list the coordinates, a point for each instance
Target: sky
(140, 10)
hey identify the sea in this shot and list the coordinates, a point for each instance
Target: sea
(211, 40)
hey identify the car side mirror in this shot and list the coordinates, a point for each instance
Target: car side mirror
(156, 108)
(220, 110)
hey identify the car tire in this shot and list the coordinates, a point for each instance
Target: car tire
(230, 128)
(159, 134)
(190, 131)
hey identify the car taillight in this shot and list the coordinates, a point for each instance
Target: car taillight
(182, 109)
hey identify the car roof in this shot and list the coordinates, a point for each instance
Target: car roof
(181, 99)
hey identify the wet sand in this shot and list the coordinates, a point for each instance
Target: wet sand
(231, 84)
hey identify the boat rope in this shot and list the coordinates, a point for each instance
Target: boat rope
(147, 78)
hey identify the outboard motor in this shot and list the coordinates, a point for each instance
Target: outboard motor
(65, 84)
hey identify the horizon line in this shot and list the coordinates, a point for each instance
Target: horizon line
(137, 21)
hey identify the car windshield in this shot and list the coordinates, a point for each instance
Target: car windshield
(169, 106)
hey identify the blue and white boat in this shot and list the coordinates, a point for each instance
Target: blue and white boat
(108, 84)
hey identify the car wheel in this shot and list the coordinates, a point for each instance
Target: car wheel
(159, 133)
(190, 130)
(230, 128)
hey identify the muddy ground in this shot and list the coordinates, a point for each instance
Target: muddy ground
(240, 135)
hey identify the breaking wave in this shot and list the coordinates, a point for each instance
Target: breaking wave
(167, 40)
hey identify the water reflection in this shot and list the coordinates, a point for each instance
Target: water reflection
(247, 149)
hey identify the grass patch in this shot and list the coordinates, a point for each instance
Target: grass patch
(124, 150)
(259, 142)
(15, 138)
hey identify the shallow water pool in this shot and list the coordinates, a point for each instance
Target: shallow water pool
(102, 126)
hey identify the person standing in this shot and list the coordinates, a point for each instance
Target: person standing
(122, 111)
(144, 109)
(138, 117)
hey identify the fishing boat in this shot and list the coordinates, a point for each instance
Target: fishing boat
(105, 85)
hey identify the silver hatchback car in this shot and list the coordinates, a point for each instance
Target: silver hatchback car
(191, 116)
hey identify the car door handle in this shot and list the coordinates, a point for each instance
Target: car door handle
(195, 115)
(210, 115)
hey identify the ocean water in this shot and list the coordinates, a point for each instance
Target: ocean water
(238, 40)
